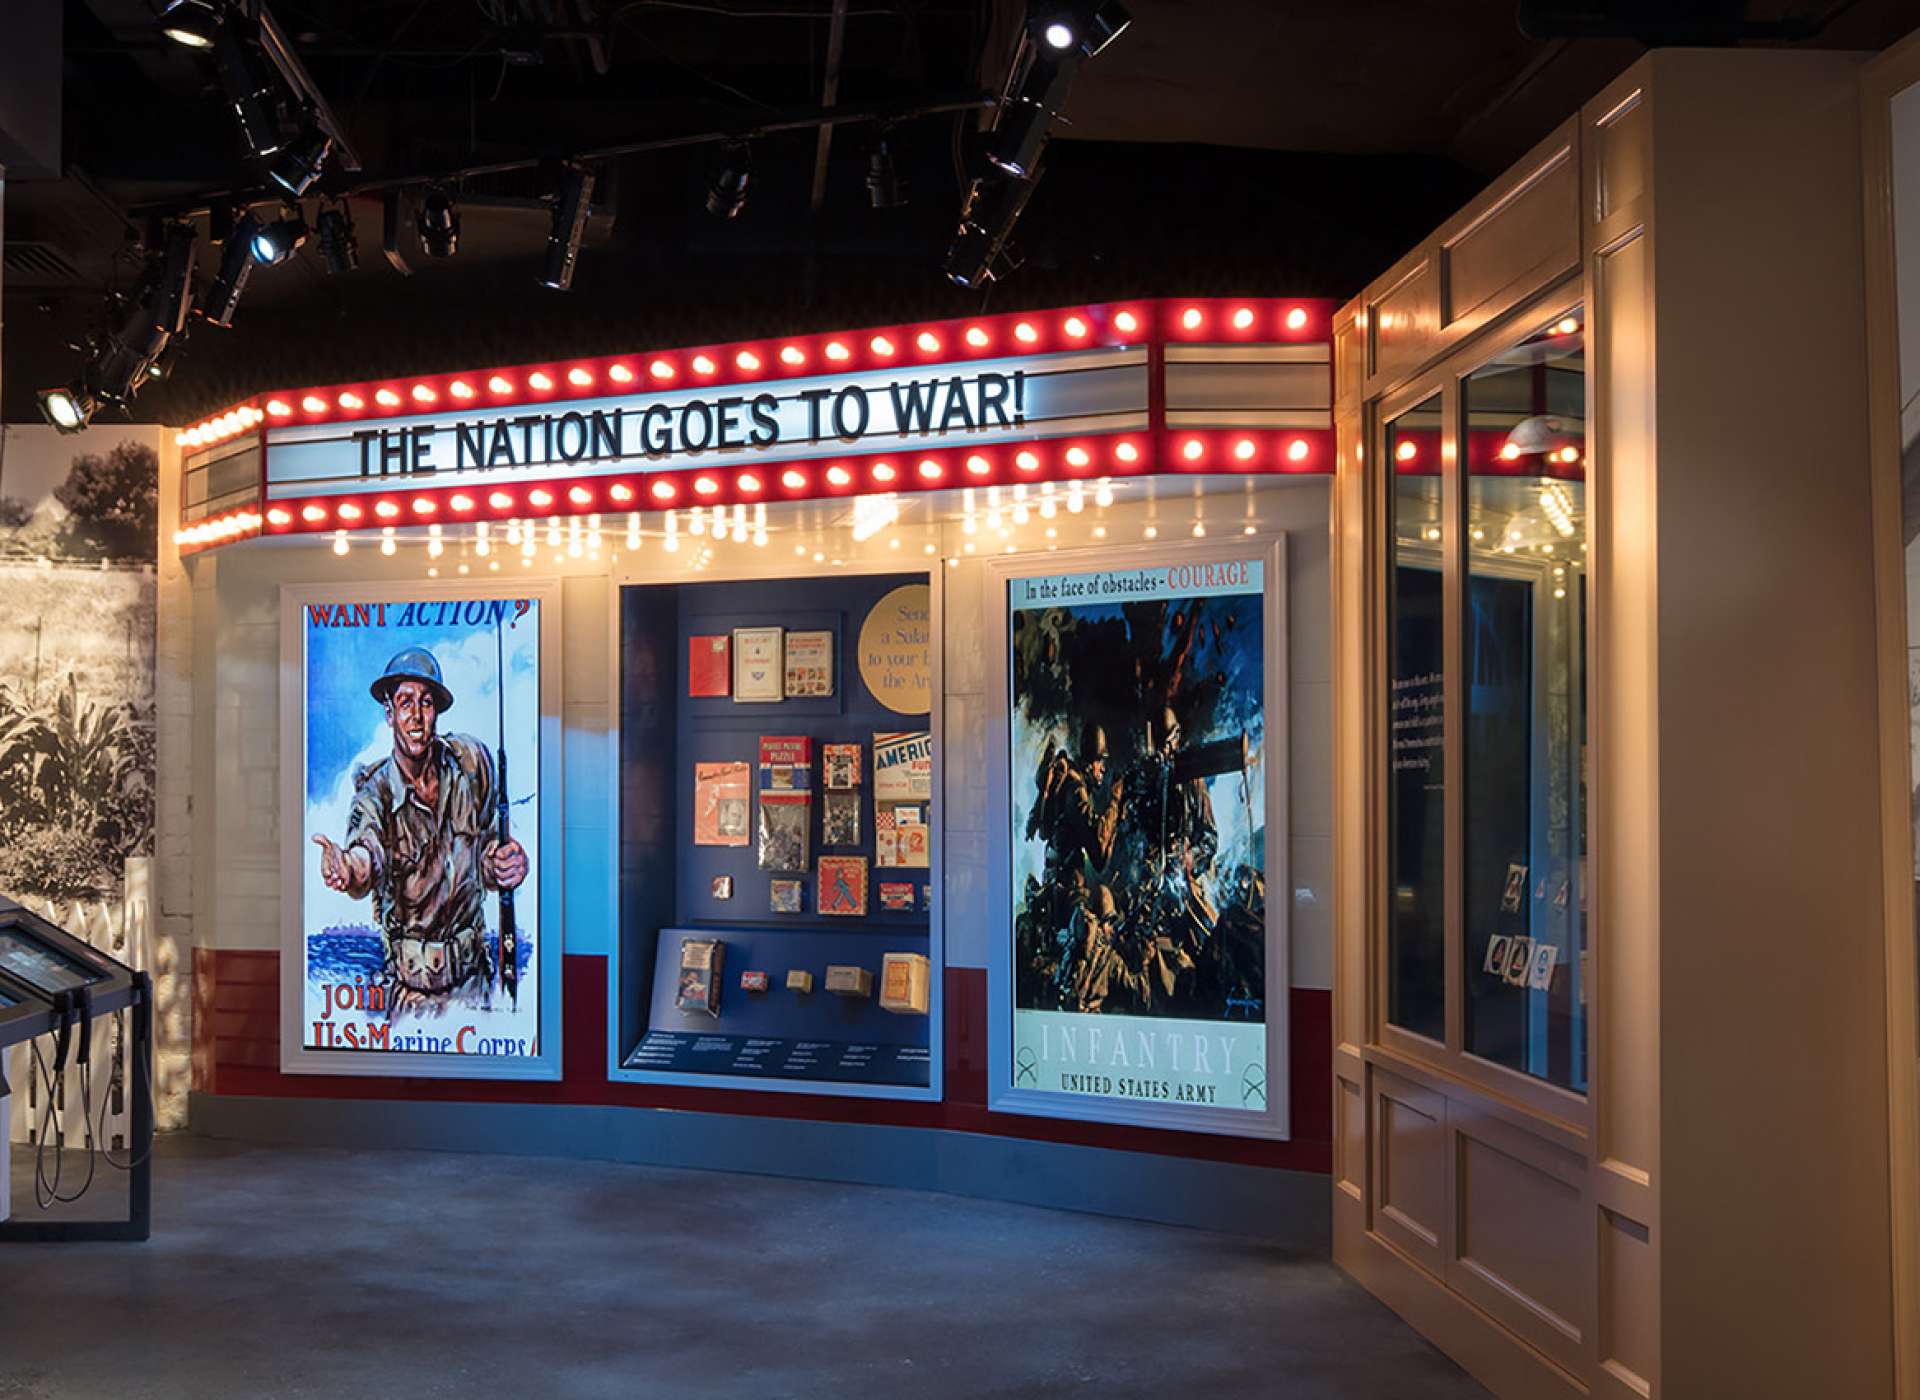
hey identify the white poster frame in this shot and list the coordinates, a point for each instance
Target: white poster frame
(296, 1057)
(1002, 1094)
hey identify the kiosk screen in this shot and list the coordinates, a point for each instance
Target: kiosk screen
(41, 967)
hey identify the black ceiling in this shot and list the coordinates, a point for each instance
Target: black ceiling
(1217, 144)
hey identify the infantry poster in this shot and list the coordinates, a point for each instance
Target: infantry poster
(1138, 793)
(420, 850)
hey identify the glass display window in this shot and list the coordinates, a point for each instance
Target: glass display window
(1417, 769)
(1484, 618)
(1523, 726)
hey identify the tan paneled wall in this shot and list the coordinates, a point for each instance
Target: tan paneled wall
(1712, 1220)
(1772, 1026)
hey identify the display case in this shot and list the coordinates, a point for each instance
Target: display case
(779, 835)
(1484, 637)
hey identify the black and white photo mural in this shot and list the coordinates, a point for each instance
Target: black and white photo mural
(78, 519)
(77, 552)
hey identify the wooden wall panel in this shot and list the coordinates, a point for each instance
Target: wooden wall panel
(1774, 1229)
(1629, 1320)
(1534, 226)
(1349, 362)
(1403, 322)
(1410, 1176)
(1518, 1227)
(1350, 1136)
(1515, 240)
(1623, 739)
(1625, 877)
(1348, 556)
(1622, 159)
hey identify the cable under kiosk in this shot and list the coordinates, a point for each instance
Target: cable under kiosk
(55, 985)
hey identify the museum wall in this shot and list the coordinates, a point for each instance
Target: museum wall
(78, 729)
(232, 608)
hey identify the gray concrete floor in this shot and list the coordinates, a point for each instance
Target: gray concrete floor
(286, 1273)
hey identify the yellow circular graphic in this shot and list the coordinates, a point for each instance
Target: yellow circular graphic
(896, 650)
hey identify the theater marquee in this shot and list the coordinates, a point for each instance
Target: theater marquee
(1105, 391)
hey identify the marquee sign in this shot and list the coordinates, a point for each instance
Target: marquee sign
(933, 406)
(1112, 390)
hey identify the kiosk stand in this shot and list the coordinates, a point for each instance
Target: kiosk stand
(54, 984)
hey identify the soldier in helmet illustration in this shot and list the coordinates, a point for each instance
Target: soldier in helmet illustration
(421, 841)
(1076, 812)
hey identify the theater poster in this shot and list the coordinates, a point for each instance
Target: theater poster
(1140, 972)
(417, 764)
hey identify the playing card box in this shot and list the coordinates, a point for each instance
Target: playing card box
(700, 963)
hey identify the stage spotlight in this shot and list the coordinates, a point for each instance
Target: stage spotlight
(1034, 98)
(68, 409)
(393, 218)
(236, 266)
(194, 23)
(303, 162)
(171, 297)
(253, 86)
(885, 188)
(572, 202)
(986, 223)
(274, 243)
(1085, 28)
(339, 248)
(438, 223)
(1056, 40)
(727, 195)
(149, 319)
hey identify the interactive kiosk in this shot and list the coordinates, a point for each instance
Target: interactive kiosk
(53, 984)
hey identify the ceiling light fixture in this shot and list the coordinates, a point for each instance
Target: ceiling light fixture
(304, 161)
(438, 223)
(885, 188)
(274, 243)
(339, 249)
(978, 254)
(68, 409)
(572, 203)
(192, 23)
(253, 86)
(727, 194)
(236, 266)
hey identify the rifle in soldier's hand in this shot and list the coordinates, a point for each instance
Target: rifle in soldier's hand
(509, 933)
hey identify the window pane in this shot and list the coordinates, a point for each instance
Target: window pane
(1416, 790)
(1524, 733)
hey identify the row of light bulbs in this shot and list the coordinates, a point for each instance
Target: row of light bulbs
(989, 512)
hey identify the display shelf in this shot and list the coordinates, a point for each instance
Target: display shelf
(672, 888)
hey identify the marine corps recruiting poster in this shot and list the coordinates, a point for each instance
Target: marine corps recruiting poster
(1138, 792)
(420, 844)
